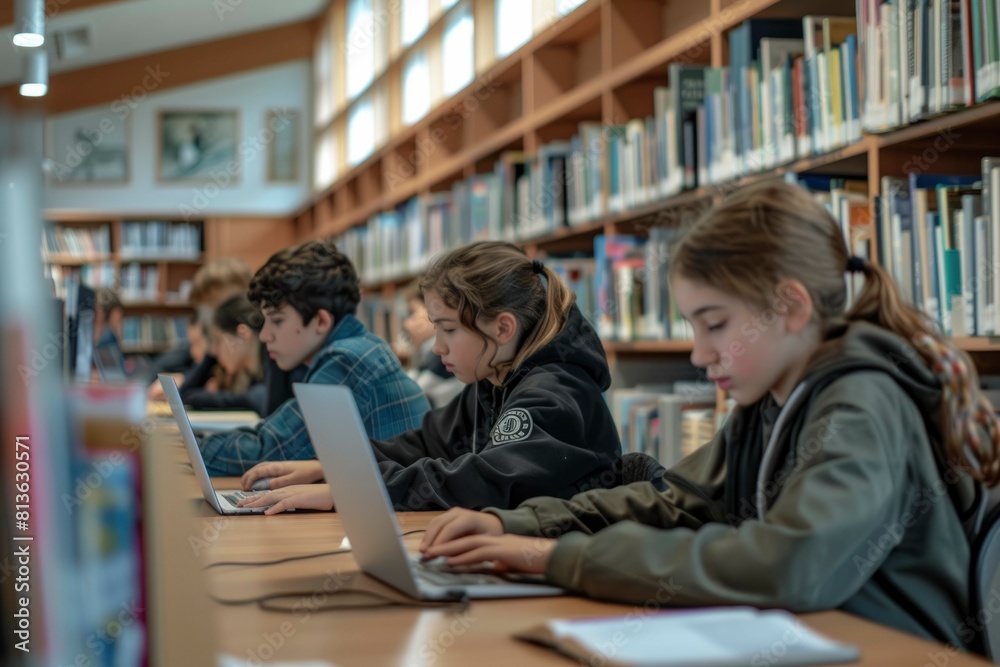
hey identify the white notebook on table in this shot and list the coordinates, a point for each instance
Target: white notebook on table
(724, 637)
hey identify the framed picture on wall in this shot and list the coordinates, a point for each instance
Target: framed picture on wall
(87, 147)
(282, 126)
(195, 145)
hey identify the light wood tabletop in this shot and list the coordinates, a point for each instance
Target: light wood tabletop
(479, 634)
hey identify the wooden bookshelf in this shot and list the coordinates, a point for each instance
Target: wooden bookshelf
(71, 260)
(978, 344)
(171, 270)
(627, 47)
(648, 347)
(153, 259)
(601, 63)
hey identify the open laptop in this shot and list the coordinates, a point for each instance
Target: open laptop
(110, 364)
(360, 497)
(224, 502)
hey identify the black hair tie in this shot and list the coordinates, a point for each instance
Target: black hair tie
(537, 266)
(856, 264)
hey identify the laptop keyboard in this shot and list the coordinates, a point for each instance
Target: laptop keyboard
(236, 496)
(439, 573)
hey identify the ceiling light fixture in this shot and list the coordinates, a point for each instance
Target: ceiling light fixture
(35, 79)
(29, 23)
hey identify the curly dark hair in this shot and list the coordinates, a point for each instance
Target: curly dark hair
(310, 276)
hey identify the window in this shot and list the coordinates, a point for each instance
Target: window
(416, 88)
(513, 25)
(360, 132)
(325, 165)
(566, 6)
(323, 78)
(445, 4)
(414, 17)
(457, 52)
(360, 46)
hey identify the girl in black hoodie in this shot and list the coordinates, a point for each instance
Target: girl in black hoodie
(532, 419)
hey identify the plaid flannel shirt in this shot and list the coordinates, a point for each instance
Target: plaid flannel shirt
(388, 400)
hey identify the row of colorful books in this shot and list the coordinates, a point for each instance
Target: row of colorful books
(139, 282)
(153, 331)
(631, 298)
(668, 421)
(161, 239)
(79, 242)
(622, 286)
(94, 276)
(924, 57)
(940, 238)
(781, 97)
(790, 91)
(523, 197)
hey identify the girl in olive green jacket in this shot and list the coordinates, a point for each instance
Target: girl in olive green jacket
(841, 480)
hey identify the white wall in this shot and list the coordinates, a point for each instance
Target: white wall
(282, 86)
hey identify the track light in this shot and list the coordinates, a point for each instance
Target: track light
(29, 23)
(35, 79)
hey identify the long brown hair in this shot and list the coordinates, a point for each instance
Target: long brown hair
(773, 231)
(482, 280)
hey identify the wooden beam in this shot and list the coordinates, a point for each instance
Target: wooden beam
(137, 77)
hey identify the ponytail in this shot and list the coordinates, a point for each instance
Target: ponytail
(558, 299)
(965, 412)
(481, 280)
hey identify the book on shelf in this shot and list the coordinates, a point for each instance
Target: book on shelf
(922, 58)
(94, 276)
(937, 237)
(579, 274)
(509, 168)
(744, 42)
(60, 242)
(608, 250)
(778, 125)
(139, 282)
(687, 87)
(152, 331)
(667, 421)
(160, 240)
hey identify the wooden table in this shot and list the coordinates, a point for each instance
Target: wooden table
(479, 636)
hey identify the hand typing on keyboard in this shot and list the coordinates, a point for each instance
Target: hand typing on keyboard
(236, 496)
(437, 571)
(440, 564)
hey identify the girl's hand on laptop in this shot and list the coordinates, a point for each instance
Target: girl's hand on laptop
(304, 497)
(283, 473)
(509, 553)
(155, 391)
(458, 522)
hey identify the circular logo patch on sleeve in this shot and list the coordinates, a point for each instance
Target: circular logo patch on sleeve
(513, 425)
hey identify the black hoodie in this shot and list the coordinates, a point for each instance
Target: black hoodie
(546, 431)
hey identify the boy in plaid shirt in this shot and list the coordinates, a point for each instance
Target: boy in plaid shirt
(308, 295)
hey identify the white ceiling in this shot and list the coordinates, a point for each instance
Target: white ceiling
(131, 28)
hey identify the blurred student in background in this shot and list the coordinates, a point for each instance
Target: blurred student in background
(235, 344)
(213, 284)
(108, 317)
